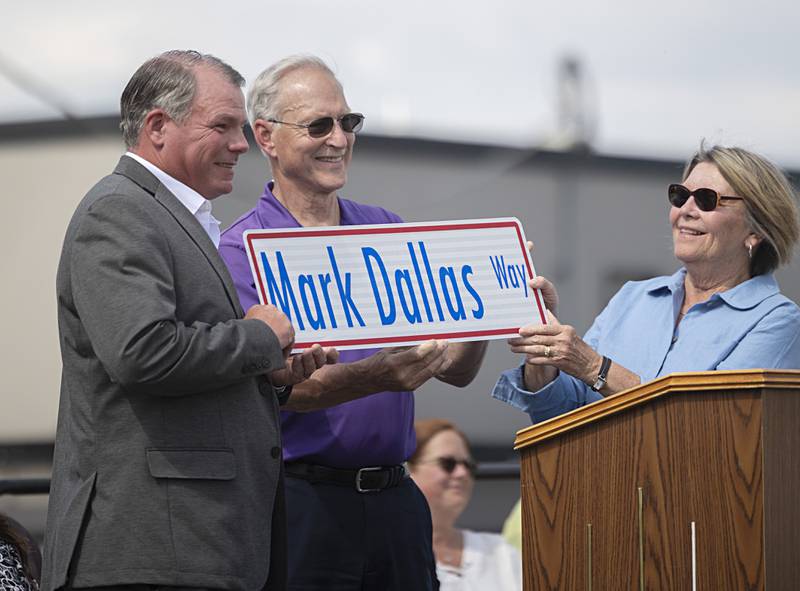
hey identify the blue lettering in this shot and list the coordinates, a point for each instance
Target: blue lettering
(458, 312)
(324, 280)
(419, 281)
(522, 277)
(386, 317)
(466, 270)
(344, 291)
(500, 271)
(306, 284)
(430, 279)
(404, 276)
(286, 288)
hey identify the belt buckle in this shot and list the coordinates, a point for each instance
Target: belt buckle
(358, 479)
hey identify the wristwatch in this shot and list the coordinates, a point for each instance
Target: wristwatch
(602, 375)
(283, 391)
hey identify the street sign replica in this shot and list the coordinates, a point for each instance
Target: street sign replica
(397, 284)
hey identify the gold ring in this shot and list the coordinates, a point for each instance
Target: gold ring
(546, 351)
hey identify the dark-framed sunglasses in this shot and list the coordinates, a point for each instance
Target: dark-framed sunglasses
(449, 463)
(322, 127)
(706, 199)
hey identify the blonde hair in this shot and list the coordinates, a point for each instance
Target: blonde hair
(769, 197)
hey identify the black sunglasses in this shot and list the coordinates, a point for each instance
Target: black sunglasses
(351, 123)
(449, 463)
(706, 199)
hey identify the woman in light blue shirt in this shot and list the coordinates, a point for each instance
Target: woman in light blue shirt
(734, 221)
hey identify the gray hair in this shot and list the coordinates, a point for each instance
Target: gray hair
(166, 82)
(263, 96)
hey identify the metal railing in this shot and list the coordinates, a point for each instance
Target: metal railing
(41, 486)
(497, 471)
(24, 486)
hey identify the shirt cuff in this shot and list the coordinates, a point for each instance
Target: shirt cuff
(509, 389)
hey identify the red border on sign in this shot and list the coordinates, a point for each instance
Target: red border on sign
(394, 229)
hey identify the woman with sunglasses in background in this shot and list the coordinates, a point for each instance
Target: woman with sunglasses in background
(443, 469)
(734, 220)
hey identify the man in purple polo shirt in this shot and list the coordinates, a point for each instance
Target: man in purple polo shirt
(355, 520)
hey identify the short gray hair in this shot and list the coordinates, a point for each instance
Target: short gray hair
(263, 96)
(166, 82)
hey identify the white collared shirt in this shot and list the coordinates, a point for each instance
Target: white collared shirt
(199, 206)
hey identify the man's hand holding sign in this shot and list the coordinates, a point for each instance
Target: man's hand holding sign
(298, 367)
(389, 370)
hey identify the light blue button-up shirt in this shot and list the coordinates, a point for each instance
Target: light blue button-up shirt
(749, 326)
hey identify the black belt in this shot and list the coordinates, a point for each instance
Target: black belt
(369, 479)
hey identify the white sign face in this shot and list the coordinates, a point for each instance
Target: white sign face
(397, 284)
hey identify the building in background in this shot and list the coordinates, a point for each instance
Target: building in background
(596, 221)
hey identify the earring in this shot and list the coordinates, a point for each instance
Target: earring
(750, 250)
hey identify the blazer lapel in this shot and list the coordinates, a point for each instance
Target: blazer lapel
(142, 177)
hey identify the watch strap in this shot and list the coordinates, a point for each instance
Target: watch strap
(282, 393)
(602, 375)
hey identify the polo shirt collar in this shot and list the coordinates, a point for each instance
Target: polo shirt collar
(269, 206)
(747, 294)
(673, 283)
(750, 293)
(271, 212)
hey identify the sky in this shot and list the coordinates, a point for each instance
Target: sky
(659, 76)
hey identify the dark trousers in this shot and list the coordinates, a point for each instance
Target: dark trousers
(343, 540)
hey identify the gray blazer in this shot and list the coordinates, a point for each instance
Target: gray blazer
(167, 467)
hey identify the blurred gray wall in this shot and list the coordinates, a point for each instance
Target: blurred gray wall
(596, 222)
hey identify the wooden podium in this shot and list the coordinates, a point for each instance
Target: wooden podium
(691, 481)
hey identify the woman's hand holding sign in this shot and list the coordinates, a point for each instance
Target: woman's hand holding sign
(551, 347)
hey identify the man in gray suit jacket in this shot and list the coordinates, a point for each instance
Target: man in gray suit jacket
(167, 467)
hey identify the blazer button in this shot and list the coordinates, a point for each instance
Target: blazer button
(265, 388)
(276, 452)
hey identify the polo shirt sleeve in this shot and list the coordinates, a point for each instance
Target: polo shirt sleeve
(392, 217)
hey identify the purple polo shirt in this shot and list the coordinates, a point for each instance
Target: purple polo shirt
(371, 431)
